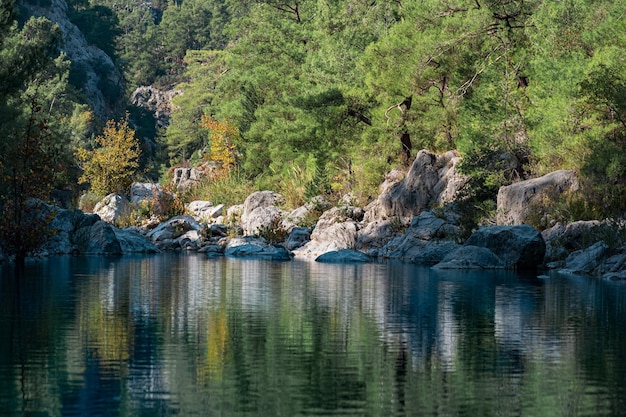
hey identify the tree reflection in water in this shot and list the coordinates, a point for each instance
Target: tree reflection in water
(185, 335)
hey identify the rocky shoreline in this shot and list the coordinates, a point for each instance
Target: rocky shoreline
(400, 224)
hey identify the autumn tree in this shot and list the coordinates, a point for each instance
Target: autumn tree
(223, 136)
(112, 165)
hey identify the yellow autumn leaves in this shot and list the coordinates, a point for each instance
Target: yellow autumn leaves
(223, 135)
(112, 166)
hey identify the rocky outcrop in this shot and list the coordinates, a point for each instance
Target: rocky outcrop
(427, 240)
(99, 239)
(563, 239)
(586, 261)
(112, 208)
(432, 181)
(133, 241)
(186, 178)
(95, 67)
(75, 232)
(157, 102)
(298, 237)
(516, 202)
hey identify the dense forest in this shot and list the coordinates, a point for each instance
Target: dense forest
(311, 97)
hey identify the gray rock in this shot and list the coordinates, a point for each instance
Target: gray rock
(133, 242)
(261, 199)
(424, 228)
(112, 208)
(260, 211)
(98, 69)
(431, 180)
(200, 209)
(336, 229)
(65, 224)
(99, 239)
(344, 256)
(257, 248)
(586, 261)
(517, 246)
(156, 101)
(174, 234)
(376, 235)
(433, 252)
(186, 178)
(298, 237)
(517, 201)
(561, 240)
(262, 219)
(471, 257)
(142, 191)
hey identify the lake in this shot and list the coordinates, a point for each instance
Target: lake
(184, 335)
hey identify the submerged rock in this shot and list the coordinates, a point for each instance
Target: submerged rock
(257, 248)
(344, 256)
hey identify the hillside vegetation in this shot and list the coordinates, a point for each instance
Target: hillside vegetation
(314, 97)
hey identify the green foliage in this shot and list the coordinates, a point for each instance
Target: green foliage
(230, 190)
(112, 166)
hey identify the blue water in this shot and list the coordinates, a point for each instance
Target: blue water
(183, 335)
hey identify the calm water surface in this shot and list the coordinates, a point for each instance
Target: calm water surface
(183, 335)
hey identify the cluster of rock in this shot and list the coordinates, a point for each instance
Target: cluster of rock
(400, 224)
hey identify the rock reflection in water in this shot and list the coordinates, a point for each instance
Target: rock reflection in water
(186, 335)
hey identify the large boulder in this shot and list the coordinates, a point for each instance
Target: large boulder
(260, 212)
(432, 180)
(297, 237)
(65, 224)
(425, 241)
(518, 201)
(471, 257)
(180, 232)
(256, 248)
(518, 246)
(134, 242)
(99, 239)
(113, 208)
(336, 229)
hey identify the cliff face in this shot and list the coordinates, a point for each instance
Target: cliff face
(101, 81)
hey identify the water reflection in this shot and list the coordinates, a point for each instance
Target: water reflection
(185, 335)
